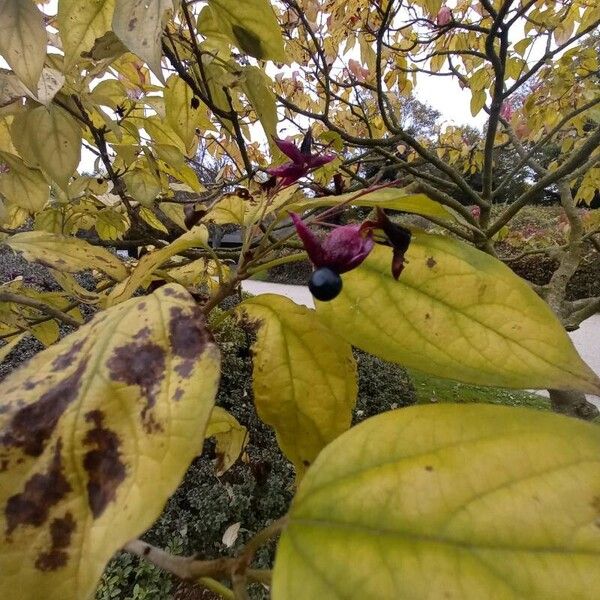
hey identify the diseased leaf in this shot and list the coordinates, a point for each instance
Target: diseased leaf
(96, 433)
(230, 437)
(184, 112)
(21, 186)
(304, 377)
(458, 313)
(393, 198)
(47, 332)
(81, 23)
(196, 237)
(49, 137)
(65, 253)
(139, 25)
(49, 84)
(448, 501)
(23, 39)
(251, 25)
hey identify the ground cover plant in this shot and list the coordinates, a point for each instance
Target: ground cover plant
(182, 107)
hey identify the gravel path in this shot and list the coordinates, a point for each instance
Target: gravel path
(586, 338)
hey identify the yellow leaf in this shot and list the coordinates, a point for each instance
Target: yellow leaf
(148, 215)
(11, 89)
(111, 224)
(65, 253)
(47, 332)
(183, 111)
(448, 501)
(98, 431)
(9, 345)
(174, 212)
(49, 84)
(80, 24)
(139, 24)
(458, 313)
(251, 25)
(393, 198)
(522, 45)
(23, 39)
(230, 437)
(160, 132)
(22, 186)
(196, 237)
(68, 283)
(478, 99)
(304, 377)
(49, 137)
(142, 185)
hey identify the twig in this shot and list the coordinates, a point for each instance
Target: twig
(39, 305)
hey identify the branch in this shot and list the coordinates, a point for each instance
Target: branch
(39, 305)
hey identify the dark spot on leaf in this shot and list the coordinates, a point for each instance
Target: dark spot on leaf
(142, 333)
(141, 306)
(103, 464)
(65, 360)
(33, 424)
(596, 503)
(187, 333)
(195, 103)
(41, 492)
(428, 468)
(141, 364)
(3, 465)
(147, 550)
(185, 368)
(131, 24)
(248, 41)
(306, 463)
(427, 316)
(99, 180)
(431, 262)
(178, 394)
(60, 535)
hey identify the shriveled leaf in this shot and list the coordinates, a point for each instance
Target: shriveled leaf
(393, 198)
(230, 437)
(49, 137)
(458, 313)
(65, 253)
(196, 237)
(139, 24)
(97, 432)
(304, 377)
(231, 534)
(251, 25)
(448, 501)
(22, 186)
(23, 39)
(142, 185)
(81, 23)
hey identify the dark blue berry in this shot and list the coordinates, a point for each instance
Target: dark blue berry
(325, 284)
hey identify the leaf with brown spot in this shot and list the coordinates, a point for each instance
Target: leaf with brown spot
(230, 437)
(96, 433)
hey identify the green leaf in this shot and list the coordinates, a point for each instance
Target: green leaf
(393, 198)
(49, 137)
(196, 237)
(23, 39)
(81, 23)
(21, 186)
(448, 501)
(65, 253)
(304, 377)
(251, 25)
(97, 432)
(458, 313)
(142, 185)
(139, 24)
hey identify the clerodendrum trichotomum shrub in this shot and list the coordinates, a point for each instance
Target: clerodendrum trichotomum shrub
(178, 110)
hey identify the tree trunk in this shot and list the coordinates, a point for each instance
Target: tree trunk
(573, 404)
